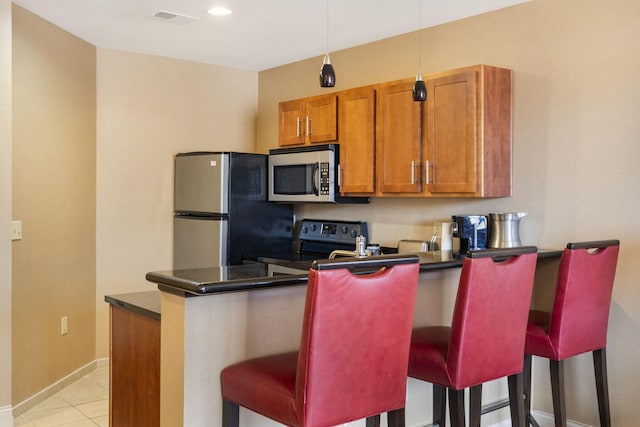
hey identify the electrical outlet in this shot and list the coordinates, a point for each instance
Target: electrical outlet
(16, 230)
(64, 325)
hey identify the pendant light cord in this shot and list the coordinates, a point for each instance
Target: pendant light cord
(419, 35)
(327, 27)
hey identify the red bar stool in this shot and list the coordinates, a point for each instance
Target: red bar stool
(486, 338)
(354, 350)
(576, 324)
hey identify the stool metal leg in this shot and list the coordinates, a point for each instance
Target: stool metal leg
(556, 368)
(395, 418)
(456, 407)
(230, 414)
(439, 405)
(602, 386)
(373, 421)
(528, 359)
(516, 400)
(475, 405)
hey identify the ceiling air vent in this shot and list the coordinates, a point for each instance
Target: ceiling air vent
(173, 17)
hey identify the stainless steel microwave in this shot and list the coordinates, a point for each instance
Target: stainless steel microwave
(307, 174)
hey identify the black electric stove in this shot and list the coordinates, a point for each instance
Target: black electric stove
(316, 239)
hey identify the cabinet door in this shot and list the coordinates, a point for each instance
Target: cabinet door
(450, 125)
(398, 139)
(321, 116)
(357, 141)
(291, 124)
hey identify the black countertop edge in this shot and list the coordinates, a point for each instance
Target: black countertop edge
(144, 303)
(174, 286)
(549, 253)
(188, 288)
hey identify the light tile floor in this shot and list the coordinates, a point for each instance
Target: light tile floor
(85, 403)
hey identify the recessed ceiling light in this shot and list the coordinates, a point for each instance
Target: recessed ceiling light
(219, 11)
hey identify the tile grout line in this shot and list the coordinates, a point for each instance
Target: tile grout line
(93, 380)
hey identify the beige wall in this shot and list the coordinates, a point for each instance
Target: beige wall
(576, 128)
(5, 211)
(96, 227)
(54, 150)
(149, 109)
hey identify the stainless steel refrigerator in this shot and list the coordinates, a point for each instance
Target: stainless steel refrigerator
(222, 215)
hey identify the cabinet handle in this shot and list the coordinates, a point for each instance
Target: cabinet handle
(298, 123)
(413, 172)
(308, 126)
(339, 176)
(426, 168)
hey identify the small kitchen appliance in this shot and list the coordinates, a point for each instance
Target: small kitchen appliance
(470, 231)
(307, 174)
(504, 229)
(443, 233)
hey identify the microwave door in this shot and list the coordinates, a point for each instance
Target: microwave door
(299, 180)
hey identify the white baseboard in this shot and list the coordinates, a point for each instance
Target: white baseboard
(6, 417)
(544, 419)
(49, 391)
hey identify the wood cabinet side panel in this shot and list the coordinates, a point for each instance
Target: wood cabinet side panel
(134, 388)
(497, 132)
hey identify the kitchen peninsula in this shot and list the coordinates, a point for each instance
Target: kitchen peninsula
(214, 317)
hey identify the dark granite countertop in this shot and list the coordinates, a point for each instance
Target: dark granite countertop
(144, 303)
(252, 276)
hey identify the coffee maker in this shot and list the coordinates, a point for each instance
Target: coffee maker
(470, 232)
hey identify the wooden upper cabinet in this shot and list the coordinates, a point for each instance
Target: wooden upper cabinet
(291, 114)
(455, 144)
(398, 139)
(467, 129)
(357, 140)
(308, 121)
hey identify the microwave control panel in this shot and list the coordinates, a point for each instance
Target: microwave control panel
(324, 179)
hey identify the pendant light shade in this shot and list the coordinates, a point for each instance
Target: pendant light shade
(419, 92)
(327, 73)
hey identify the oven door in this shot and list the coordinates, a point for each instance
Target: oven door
(304, 174)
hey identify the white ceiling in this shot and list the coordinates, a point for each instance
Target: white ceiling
(258, 35)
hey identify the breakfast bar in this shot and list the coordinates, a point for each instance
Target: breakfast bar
(214, 317)
(260, 275)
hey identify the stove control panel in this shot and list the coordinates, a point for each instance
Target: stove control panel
(344, 232)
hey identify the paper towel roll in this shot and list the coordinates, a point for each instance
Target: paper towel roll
(446, 239)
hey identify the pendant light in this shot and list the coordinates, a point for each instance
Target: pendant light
(419, 91)
(327, 74)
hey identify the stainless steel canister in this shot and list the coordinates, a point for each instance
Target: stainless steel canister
(504, 229)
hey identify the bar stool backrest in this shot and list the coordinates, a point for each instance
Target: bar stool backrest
(354, 348)
(490, 315)
(580, 314)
